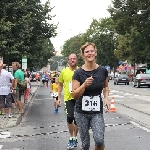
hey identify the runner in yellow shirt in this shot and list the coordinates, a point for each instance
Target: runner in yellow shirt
(54, 88)
(65, 83)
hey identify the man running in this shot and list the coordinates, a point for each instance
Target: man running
(65, 80)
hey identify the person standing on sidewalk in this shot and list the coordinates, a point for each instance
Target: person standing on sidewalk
(87, 85)
(27, 91)
(65, 80)
(19, 76)
(5, 79)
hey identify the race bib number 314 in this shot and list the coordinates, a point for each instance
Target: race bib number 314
(91, 103)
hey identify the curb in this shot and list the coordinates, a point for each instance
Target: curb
(19, 119)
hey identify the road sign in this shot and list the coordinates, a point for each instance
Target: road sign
(120, 62)
(24, 63)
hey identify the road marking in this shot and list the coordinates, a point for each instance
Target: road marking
(4, 135)
(43, 99)
(115, 96)
(127, 94)
(136, 124)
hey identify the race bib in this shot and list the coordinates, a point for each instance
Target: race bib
(91, 103)
(70, 87)
(55, 94)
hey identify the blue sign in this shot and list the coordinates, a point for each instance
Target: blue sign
(107, 67)
(120, 62)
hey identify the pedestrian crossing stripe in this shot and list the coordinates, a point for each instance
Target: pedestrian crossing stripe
(1, 146)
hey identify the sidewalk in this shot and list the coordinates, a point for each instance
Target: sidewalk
(16, 119)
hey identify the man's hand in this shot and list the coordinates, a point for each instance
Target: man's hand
(106, 104)
(59, 102)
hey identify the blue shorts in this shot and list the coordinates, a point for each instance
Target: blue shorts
(8, 101)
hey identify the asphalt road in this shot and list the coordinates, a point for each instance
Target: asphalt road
(127, 129)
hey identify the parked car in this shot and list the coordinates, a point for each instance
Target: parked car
(121, 78)
(141, 80)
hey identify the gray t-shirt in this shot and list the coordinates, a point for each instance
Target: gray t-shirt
(99, 75)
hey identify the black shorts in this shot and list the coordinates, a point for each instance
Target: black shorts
(55, 97)
(46, 81)
(69, 105)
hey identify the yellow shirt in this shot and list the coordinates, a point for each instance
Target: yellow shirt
(65, 77)
(54, 87)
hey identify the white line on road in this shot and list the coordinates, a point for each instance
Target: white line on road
(4, 135)
(115, 96)
(1, 146)
(136, 124)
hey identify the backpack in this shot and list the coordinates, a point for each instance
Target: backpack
(22, 85)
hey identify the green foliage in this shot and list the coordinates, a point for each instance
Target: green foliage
(57, 60)
(26, 29)
(73, 45)
(99, 34)
(133, 29)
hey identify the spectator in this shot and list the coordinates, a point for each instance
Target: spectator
(19, 76)
(5, 78)
(27, 91)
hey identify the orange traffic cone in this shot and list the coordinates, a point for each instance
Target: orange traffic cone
(112, 105)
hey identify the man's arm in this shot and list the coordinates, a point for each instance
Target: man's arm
(15, 83)
(60, 88)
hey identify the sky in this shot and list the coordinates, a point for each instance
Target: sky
(75, 16)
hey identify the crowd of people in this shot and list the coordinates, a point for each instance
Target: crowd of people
(10, 94)
(82, 88)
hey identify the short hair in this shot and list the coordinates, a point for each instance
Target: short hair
(17, 64)
(86, 45)
(72, 54)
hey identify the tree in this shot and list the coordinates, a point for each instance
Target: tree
(132, 28)
(73, 45)
(25, 24)
(103, 35)
(98, 34)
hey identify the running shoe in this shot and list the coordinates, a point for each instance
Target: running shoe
(10, 116)
(70, 144)
(4, 115)
(75, 143)
(56, 111)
